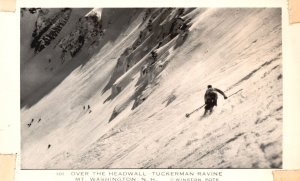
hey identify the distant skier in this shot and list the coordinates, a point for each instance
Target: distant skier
(29, 124)
(211, 98)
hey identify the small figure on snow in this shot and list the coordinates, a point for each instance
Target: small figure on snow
(29, 124)
(211, 98)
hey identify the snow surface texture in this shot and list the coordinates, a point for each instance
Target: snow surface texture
(94, 96)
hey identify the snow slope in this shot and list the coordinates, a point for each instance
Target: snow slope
(137, 118)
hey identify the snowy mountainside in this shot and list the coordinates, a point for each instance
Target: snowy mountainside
(109, 88)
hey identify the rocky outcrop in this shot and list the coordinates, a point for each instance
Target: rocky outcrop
(167, 23)
(47, 28)
(88, 29)
(148, 54)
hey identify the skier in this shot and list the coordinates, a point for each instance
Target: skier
(211, 97)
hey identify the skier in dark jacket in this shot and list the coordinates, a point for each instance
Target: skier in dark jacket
(211, 98)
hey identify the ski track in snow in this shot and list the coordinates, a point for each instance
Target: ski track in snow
(241, 49)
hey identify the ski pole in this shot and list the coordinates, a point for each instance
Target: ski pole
(234, 93)
(188, 114)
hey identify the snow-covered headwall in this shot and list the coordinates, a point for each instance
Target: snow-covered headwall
(111, 88)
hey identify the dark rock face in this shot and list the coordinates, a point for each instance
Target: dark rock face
(47, 29)
(160, 27)
(87, 30)
(168, 22)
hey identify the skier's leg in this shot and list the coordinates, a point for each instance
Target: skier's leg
(206, 109)
(211, 109)
(205, 112)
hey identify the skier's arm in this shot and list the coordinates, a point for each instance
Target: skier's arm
(221, 92)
